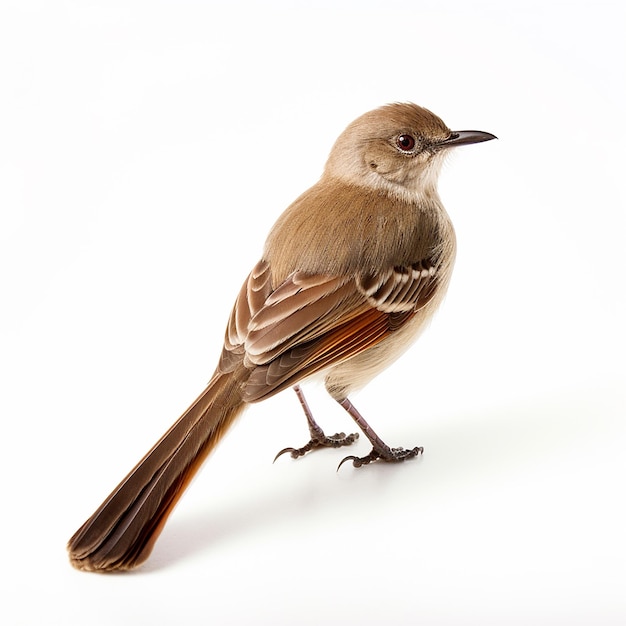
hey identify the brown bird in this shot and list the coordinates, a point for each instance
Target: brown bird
(350, 274)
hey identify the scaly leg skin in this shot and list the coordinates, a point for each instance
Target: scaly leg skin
(318, 438)
(380, 450)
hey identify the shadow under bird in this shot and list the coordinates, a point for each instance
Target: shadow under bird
(349, 276)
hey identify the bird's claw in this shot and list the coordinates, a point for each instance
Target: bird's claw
(294, 452)
(389, 455)
(335, 441)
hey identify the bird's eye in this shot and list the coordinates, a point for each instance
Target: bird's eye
(406, 143)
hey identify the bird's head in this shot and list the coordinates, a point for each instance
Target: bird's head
(398, 147)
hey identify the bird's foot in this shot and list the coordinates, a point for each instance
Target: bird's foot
(320, 440)
(380, 453)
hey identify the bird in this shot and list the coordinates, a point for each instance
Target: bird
(350, 274)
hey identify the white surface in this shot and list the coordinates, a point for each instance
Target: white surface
(145, 150)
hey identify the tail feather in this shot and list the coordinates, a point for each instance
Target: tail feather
(121, 533)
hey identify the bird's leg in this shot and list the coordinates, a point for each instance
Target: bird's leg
(318, 438)
(380, 450)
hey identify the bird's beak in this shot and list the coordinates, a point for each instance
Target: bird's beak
(462, 137)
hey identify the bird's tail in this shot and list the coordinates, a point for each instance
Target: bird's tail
(121, 533)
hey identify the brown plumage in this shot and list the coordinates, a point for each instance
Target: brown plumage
(350, 273)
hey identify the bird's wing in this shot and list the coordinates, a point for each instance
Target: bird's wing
(312, 321)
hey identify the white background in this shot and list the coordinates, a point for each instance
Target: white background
(145, 150)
